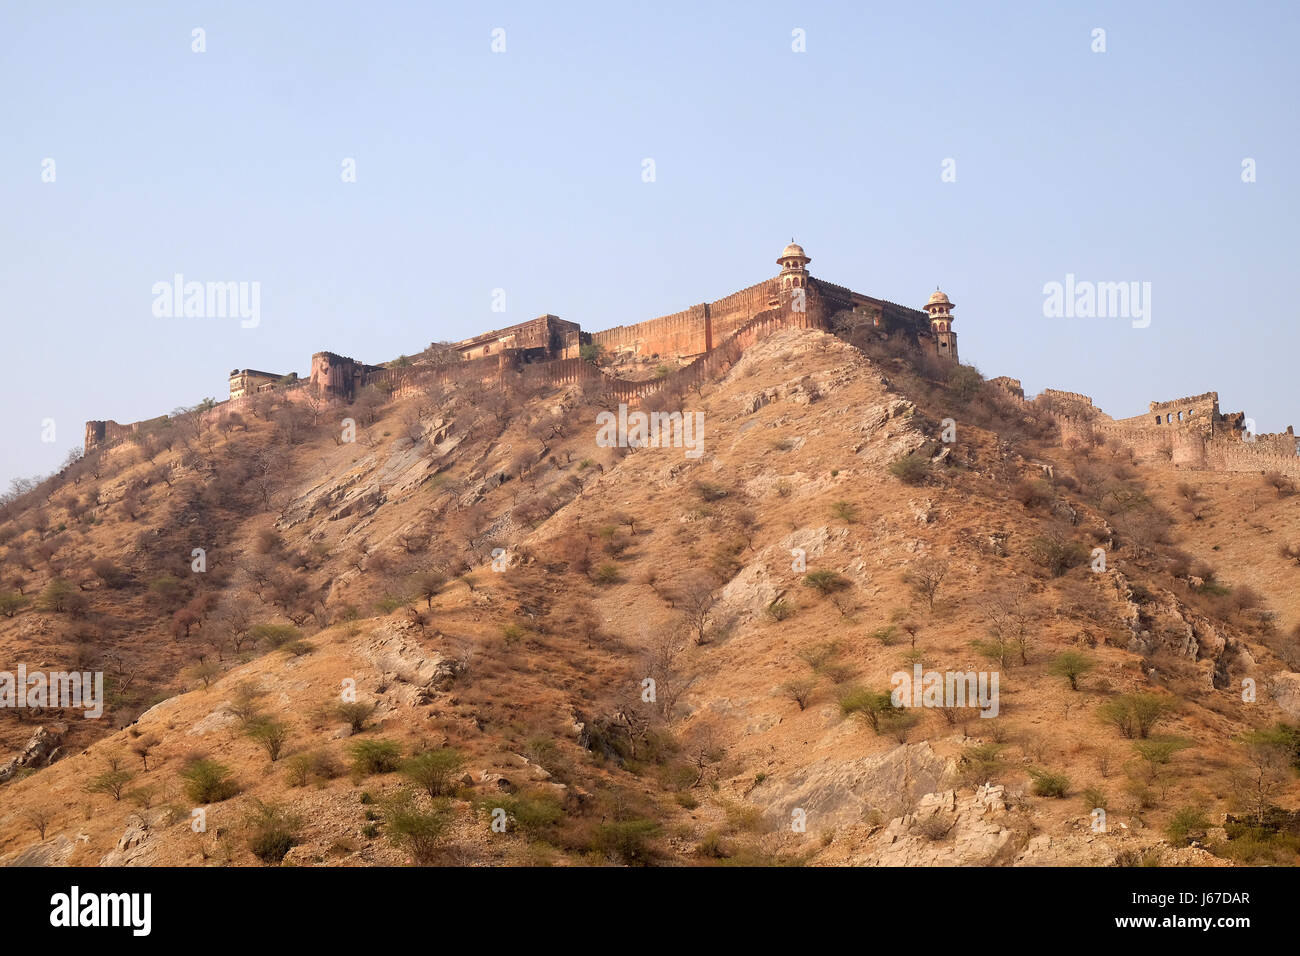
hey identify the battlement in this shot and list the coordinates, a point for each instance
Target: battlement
(1205, 399)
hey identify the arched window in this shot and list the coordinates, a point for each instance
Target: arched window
(1157, 419)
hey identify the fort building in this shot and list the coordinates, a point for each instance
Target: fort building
(549, 348)
(246, 381)
(542, 339)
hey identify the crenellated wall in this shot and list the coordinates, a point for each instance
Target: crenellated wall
(1068, 398)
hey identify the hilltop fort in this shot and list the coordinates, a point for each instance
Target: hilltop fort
(687, 346)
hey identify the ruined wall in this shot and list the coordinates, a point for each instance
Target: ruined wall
(103, 434)
(106, 434)
(1188, 446)
(1198, 412)
(1010, 385)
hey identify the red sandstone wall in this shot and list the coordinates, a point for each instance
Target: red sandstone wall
(688, 332)
(682, 333)
(728, 314)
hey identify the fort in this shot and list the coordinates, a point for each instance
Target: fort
(1187, 432)
(632, 362)
(629, 361)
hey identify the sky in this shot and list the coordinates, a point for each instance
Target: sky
(990, 149)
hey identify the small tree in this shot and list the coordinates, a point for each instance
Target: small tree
(1071, 665)
(871, 706)
(11, 604)
(40, 818)
(375, 756)
(696, 599)
(415, 830)
(1269, 755)
(207, 781)
(58, 596)
(910, 469)
(205, 672)
(826, 582)
(112, 781)
(1135, 715)
(428, 585)
(800, 690)
(1186, 825)
(1056, 553)
(273, 831)
(845, 511)
(142, 747)
(275, 635)
(1048, 784)
(270, 735)
(355, 713)
(1157, 754)
(433, 770)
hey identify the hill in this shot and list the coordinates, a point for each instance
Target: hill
(477, 635)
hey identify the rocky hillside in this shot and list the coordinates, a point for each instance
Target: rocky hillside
(475, 636)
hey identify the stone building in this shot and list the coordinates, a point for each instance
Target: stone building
(545, 338)
(247, 381)
(338, 375)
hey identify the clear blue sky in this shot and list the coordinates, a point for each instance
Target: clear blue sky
(522, 171)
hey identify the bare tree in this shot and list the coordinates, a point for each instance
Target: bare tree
(40, 818)
(926, 576)
(1007, 614)
(696, 597)
(662, 664)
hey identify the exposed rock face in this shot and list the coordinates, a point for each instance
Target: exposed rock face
(360, 490)
(749, 592)
(753, 589)
(55, 851)
(888, 432)
(39, 751)
(834, 793)
(1165, 622)
(134, 847)
(400, 658)
(947, 830)
(1284, 688)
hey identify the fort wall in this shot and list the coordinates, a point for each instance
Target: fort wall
(1069, 398)
(684, 333)
(692, 331)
